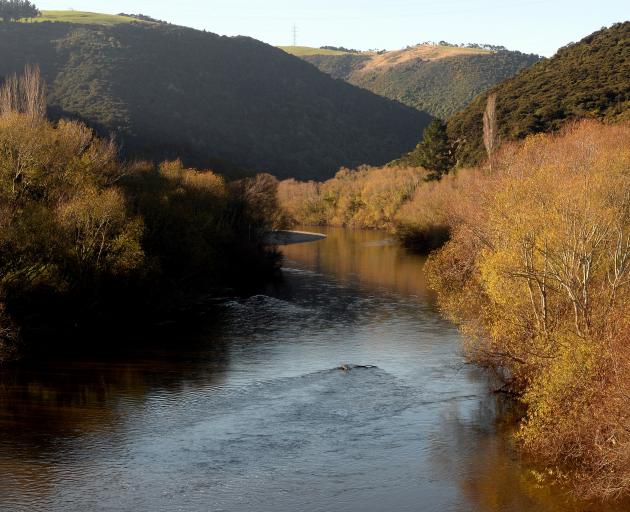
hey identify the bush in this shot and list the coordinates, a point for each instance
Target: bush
(537, 273)
(365, 198)
(424, 222)
(87, 238)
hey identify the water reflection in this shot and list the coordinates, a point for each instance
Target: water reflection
(253, 414)
(43, 402)
(370, 258)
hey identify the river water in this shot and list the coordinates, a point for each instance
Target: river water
(253, 413)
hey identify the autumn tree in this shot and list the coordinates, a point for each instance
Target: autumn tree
(538, 275)
(24, 94)
(367, 197)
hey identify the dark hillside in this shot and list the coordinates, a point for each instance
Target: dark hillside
(338, 66)
(169, 91)
(588, 79)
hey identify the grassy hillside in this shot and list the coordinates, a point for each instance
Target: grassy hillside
(438, 79)
(168, 91)
(303, 51)
(85, 18)
(588, 79)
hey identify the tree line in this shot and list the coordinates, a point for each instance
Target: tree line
(14, 10)
(537, 274)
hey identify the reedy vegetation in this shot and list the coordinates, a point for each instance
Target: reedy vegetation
(84, 236)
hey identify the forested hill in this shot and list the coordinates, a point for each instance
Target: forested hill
(168, 91)
(588, 79)
(439, 79)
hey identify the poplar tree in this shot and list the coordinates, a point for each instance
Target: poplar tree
(490, 130)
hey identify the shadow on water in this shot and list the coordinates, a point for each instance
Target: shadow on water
(259, 407)
(50, 396)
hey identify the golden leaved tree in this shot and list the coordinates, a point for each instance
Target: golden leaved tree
(539, 278)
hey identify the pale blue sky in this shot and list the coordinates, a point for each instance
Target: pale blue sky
(532, 26)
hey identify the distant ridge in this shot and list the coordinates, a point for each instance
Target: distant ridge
(83, 18)
(438, 78)
(227, 102)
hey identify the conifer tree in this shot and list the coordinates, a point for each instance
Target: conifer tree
(434, 152)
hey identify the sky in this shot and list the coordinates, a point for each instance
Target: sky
(531, 26)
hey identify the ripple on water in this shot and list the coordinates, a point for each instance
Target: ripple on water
(264, 305)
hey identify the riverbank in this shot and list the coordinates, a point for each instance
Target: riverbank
(96, 243)
(532, 262)
(537, 275)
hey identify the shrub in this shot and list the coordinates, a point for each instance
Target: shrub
(85, 237)
(538, 275)
(364, 198)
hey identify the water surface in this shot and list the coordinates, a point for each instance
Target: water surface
(252, 413)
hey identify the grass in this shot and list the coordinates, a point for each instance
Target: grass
(425, 52)
(304, 51)
(456, 49)
(391, 58)
(83, 18)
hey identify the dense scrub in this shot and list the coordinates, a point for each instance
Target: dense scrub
(363, 198)
(230, 103)
(588, 79)
(86, 238)
(441, 87)
(537, 273)
(407, 201)
(424, 222)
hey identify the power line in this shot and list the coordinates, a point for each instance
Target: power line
(294, 34)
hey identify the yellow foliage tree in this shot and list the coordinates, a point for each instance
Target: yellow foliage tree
(539, 278)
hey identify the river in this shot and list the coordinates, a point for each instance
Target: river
(253, 413)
